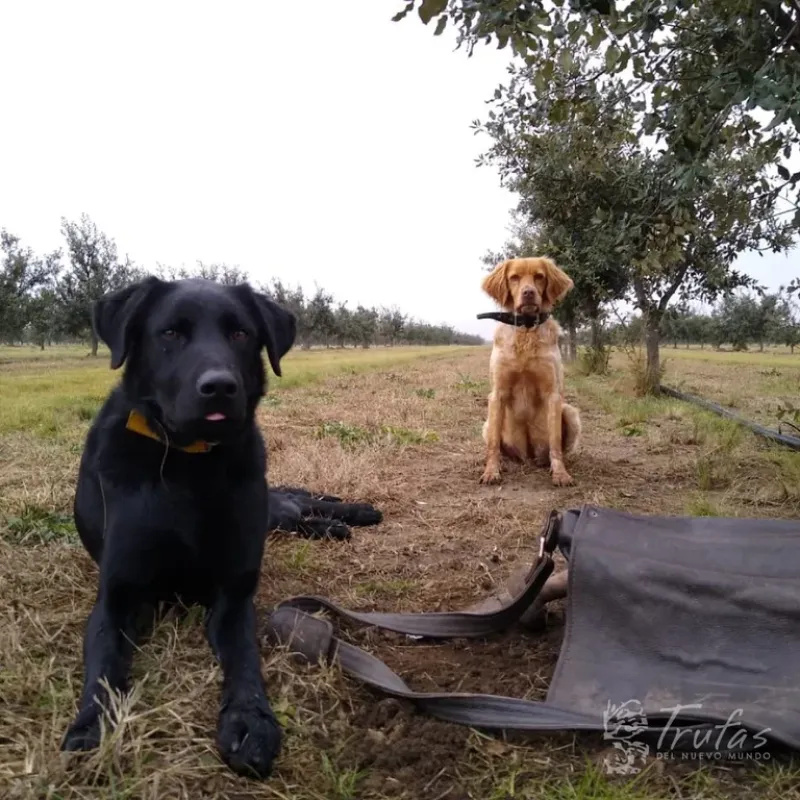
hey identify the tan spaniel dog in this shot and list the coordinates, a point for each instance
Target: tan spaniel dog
(528, 418)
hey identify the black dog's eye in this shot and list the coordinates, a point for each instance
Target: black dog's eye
(240, 336)
(170, 334)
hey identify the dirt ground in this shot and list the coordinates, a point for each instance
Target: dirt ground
(408, 440)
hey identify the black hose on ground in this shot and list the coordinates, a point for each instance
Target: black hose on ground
(767, 433)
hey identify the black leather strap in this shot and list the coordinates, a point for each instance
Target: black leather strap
(446, 624)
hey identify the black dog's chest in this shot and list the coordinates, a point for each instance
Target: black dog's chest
(207, 521)
(187, 528)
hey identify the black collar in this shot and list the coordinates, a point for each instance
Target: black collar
(520, 320)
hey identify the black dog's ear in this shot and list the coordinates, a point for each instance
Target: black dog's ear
(277, 326)
(114, 317)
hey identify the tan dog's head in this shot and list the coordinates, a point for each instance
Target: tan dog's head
(527, 285)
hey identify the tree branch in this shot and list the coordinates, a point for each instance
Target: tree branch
(673, 287)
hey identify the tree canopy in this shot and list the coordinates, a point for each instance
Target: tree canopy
(697, 68)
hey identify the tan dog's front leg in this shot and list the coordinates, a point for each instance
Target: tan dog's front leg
(493, 436)
(554, 589)
(554, 412)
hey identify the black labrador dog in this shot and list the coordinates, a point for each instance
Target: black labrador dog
(172, 498)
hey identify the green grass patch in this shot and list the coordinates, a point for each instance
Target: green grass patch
(56, 393)
(701, 506)
(772, 357)
(304, 367)
(351, 436)
(633, 430)
(466, 383)
(390, 588)
(36, 526)
(342, 783)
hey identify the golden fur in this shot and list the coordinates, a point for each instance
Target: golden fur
(528, 418)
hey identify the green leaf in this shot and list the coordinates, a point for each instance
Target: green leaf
(431, 8)
(402, 14)
(598, 36)
(558, 112)
(612, 56)
(566, 60)
(779, 118)
(784, 173)
(649, 123)
(441, 25)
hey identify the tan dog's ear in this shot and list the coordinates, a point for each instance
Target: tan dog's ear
(558, 282)
(496, 285)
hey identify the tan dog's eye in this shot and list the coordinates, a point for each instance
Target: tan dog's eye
(539, 278)
(514, 279)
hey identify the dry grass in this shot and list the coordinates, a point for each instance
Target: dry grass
(403, 432)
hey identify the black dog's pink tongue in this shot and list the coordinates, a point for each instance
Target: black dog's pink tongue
(215, 417)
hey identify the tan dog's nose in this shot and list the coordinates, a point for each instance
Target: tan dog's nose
(529, 295)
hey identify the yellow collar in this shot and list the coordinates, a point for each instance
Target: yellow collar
(138, 424)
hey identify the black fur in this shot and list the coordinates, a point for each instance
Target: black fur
(162, 523)
(317, 516)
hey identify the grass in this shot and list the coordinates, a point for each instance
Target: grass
(56, 389)
(399, 427)
(351, 436)
(35, 525)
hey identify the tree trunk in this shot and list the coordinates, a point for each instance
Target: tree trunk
(761, 347)
(652, 340)
(572, 331)
(95, 342)
(597, 334)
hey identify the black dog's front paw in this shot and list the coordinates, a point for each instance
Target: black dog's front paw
(84, 733)
(249, 740)
(366, 515)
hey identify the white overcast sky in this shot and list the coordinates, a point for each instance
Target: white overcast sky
(314, 142)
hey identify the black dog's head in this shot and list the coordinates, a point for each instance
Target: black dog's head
(193, 349)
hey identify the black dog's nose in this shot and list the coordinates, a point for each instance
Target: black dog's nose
(216, 383)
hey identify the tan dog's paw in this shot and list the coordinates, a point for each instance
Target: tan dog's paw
(563, 478)
(490, 475)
